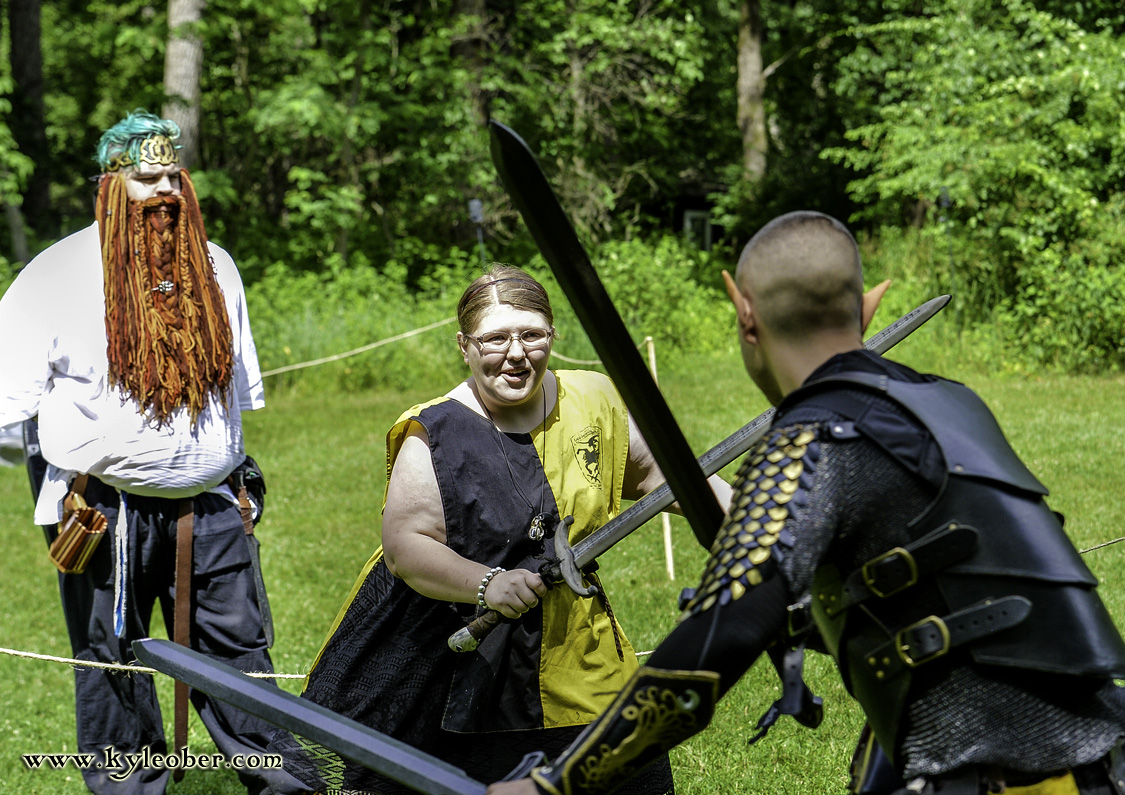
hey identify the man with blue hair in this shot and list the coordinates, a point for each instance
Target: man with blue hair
(135, 355)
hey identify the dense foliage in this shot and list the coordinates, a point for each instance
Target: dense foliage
(351, 308)
(1014, 116)
(342, 142)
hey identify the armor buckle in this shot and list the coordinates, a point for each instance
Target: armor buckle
(898, 563)
(800, 616)
(923, 641)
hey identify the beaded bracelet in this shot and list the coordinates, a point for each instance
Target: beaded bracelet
(484, 581)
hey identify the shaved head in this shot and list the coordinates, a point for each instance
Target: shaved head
(804, 272)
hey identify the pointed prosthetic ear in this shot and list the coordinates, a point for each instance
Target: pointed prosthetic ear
(746, 329)
(741, 307)
(871, 301)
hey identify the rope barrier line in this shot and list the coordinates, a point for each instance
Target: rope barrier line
(590, 361)
(575, 361)
(133, 669)
(363, 349)
(1099, 546)
(396, 338)
(140, 669)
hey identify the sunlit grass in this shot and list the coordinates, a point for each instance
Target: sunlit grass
(324, 459)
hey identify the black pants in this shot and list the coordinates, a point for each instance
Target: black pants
(120, 712)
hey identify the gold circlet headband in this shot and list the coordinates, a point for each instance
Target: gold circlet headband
(157, 150)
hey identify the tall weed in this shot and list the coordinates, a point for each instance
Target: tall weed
(298, 317)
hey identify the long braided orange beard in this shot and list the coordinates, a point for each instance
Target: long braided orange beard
(168, 335)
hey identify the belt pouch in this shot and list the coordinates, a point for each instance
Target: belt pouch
(80, 531)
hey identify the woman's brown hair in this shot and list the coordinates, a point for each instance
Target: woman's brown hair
(503, 284)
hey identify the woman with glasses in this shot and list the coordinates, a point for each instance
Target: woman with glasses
(480, 480)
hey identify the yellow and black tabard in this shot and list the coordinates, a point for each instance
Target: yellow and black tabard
(386, 662)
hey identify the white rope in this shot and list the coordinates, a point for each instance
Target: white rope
(370, 346)
(575, 361)
(141, 669)
(590, 361)
(1099, 546)
(133, 669)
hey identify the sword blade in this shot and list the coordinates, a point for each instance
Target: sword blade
(590, 548)
(375, 750)
(560, 246)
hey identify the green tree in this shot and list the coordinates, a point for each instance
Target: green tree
(1014, 111)
(801, 51)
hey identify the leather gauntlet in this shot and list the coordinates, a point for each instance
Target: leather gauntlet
(656, 711)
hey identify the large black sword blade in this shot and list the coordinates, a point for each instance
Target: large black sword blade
(605, 537)
(375, 750)
(590, 548)
(557, 240)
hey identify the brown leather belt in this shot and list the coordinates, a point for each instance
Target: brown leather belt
(181, 632)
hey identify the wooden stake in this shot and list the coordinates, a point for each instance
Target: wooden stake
(669, 562)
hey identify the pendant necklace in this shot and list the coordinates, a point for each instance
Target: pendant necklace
(538, 527)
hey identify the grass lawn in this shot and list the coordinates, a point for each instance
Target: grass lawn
(323, 456)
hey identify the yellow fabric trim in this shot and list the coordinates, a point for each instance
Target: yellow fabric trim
(584, 455)
(344, 608)
(579, 671)
(395, 437)
(398, 433)
(1059, 785)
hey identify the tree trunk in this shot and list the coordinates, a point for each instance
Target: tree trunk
(348, 162)
(751, 88)
(27, 117)
(183, 65)
(18, 233)
(469, 48)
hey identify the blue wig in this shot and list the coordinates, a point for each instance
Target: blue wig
(125, 137)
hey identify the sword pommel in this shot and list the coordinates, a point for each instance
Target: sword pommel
(469, 637)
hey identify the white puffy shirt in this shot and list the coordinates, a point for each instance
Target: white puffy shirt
(53, 363)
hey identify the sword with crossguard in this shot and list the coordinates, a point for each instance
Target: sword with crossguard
(569, 561)
(559, 244)
(374, 750)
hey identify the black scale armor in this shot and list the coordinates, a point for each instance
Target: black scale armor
(849, 476)
(984, 601)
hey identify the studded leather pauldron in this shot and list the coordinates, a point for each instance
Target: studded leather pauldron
(755, 531)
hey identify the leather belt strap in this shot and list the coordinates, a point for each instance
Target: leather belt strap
(245, 511)
(181, 632)
(902, 567)
(256, 562)
(79, 485)
(1102, 777)
(934, 637)
(796, 698)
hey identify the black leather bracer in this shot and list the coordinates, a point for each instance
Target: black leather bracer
(656, 711)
